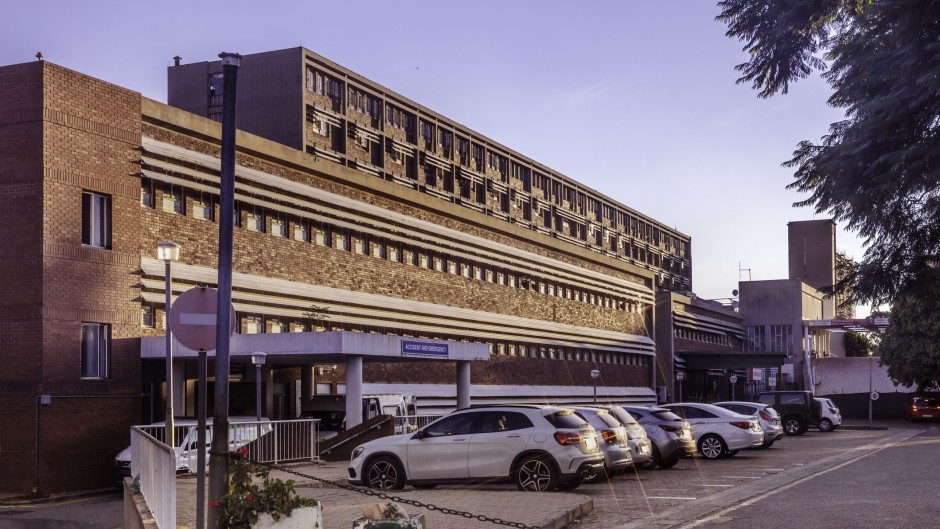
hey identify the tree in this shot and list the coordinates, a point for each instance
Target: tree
(877, 170)
(857, 344)
(315, 316)
(909, 346)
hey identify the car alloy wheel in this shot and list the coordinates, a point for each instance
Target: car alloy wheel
(536, 474)
(793, 426)
(825, 425)
(385, 473)
(711, 446)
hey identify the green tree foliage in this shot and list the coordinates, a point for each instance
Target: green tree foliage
(910, 346)
(877, 170)
(857, 344)
(316, 316)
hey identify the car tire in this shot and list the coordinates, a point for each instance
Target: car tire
(536, 473)
(384, 473)
(767, 444)
(793, 425)
(825, 425)
(648, 465)
(730, 453)
(712, 446)
(570, 485)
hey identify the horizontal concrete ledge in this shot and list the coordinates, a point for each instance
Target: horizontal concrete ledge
(567, 517)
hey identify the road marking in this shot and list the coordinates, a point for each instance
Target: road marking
(742, 477)
(669, 498)
(790, 485)
(772, 469)
(712, 485)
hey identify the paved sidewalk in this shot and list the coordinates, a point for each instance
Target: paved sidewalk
(340, 506)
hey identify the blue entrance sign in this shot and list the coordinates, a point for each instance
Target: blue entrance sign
(412, 348)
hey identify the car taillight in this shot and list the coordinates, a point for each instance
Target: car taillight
(741, 424)
(764, 415)
(609, 436)
(568, 438)
(670, 428)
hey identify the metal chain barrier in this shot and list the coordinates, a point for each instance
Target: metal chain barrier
(398, 499)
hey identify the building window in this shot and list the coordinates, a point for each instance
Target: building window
(147, 312)
(253, 325)
(215, 89)
(173, 200)
(204, 207)
(96, 340)
(96, 220)
(302, 230)
(279, 225)
(147, 198)
(255, 220)
(755, 338)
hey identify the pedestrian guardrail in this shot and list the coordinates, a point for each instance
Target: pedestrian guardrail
(154, 464)
(410, 423)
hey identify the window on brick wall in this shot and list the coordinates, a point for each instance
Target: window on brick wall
(255, 220)
(301, 230)
(96, 219)
(173, 199)
(147, 197)
(147, 315)
(96, 347)
(204, 206)
(279, 225)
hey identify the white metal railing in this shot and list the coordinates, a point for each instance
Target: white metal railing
(281, 441)
(155, 463)
(410, 423)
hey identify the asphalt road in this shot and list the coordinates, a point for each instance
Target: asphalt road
(104, 511)
(881, 478)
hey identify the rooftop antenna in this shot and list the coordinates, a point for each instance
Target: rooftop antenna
(742, 270)
(176, 60)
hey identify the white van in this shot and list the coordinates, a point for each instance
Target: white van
(241, 431)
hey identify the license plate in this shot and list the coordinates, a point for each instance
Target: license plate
(928, 415)
(590, 442)
(643, 449)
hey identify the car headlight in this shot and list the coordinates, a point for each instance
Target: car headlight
(357, 452)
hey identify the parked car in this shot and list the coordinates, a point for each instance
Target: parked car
(766, 414)
(830, 417)
(641, 448)
(612, 440)
(539, 448)
(242, 431)
(671, 435)
(719, 432)
(797, 409)
(922, 408)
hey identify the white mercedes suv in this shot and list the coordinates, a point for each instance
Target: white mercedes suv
(539, 448)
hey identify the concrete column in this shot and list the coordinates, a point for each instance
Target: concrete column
(463, 384)
(353, 391)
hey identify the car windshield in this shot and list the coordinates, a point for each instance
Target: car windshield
(665, 415)
(566, 419)
(608, 419)
(623, 416)
(925, 402)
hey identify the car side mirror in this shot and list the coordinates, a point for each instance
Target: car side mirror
(420, 434)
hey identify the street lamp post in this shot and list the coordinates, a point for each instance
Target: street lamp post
(680, 376)
(594, 374)
(169, 251)
(257, 358)
(733, 379)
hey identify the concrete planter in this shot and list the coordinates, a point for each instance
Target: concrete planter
(300, 518)
(411, 522)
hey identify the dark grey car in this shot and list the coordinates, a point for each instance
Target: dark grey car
(671, 435)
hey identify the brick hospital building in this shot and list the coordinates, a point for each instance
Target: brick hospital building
(397, 220)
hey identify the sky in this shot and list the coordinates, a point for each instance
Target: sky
(636, 99)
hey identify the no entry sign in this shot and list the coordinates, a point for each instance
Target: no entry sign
(193, 318)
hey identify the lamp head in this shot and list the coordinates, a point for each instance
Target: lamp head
(257, 358)
(168, 251)
(595, 373)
